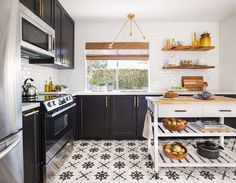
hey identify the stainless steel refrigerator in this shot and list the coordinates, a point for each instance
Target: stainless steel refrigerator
(11, 150)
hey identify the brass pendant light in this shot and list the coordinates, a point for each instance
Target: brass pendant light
(131, 20)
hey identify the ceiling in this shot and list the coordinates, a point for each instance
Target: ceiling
(149, 10)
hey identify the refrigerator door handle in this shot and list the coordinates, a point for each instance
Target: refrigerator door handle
(9, 148)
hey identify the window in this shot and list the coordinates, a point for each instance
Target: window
(123, 74)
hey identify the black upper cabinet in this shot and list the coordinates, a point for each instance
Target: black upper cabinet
(67, 40)
(64, 28)
(141, 113)
(57, 25)
(94, 117)
(123, 117)
(42, 8)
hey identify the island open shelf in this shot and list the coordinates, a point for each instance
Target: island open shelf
(193, 130)
(226, 159)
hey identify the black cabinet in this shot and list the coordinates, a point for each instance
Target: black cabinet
(64, 30)
(123, 117)
(141, 113)
(94, 117)
(31, 146)
(42, 8)
(110, 117)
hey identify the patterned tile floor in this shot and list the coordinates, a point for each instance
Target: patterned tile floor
(127, 162)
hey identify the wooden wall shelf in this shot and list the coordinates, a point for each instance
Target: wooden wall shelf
(189, 67)
(187, 48)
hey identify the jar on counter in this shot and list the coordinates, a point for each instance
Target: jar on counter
(205, 39)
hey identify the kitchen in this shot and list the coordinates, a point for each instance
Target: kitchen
(130, 93)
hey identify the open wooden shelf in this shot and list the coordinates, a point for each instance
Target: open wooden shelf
(188, 48)
(189, 67)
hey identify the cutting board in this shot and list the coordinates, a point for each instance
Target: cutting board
(193, 83)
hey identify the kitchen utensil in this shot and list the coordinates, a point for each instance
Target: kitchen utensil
(28, 89)
(208, 149)
(205, 39)
(193, 83)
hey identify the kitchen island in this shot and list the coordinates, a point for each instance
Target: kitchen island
(190, 107)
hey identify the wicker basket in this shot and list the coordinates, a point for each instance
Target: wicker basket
(175, 156)
(174, 127)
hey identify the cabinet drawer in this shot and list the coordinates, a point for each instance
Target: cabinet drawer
(224, 110)
(180, 110)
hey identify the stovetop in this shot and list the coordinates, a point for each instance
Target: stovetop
(50, 102)
(39, 98)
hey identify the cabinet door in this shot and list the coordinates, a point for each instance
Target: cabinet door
(67, 40)
(123, 117)
(94, 117)
(47, 11)
(57, 25)
(31, 146)
(30, 4)
(141, 113)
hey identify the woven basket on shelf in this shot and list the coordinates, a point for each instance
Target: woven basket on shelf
(175, 156)
(174, 127)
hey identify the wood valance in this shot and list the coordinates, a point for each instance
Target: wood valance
(118, 51)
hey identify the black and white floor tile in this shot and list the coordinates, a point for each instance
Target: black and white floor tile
(127, 162)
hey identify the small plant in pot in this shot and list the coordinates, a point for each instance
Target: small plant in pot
(102, 87)
(94, 85)
(110, 86)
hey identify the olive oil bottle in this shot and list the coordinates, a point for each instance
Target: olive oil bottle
(46, 87)
(51, 86)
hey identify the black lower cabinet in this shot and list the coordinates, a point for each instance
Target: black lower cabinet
(123, 117)
(94, 117)
(141, 113)
(110, 117)
(31, 146)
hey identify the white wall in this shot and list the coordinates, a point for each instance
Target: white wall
(38, 73)
(156, 33)
(228, 53)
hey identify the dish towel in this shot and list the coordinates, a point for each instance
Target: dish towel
(147, 128)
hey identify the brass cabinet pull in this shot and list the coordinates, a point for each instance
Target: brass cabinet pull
(106, 103)
(137, 101)
(134, 101)
(42, 8)
(31, 113)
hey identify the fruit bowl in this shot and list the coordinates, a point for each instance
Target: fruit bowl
(175, 151)
(174, 124)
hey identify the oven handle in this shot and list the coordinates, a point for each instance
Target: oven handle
(61, 111)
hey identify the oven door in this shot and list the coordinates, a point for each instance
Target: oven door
(58, 130)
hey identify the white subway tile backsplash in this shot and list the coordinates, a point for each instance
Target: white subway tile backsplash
(38, 73)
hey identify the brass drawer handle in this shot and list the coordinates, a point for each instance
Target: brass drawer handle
(225, 110)
(180, 110)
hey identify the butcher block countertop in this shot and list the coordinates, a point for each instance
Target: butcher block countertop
(191, 100)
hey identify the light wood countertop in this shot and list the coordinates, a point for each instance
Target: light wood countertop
(191, 100)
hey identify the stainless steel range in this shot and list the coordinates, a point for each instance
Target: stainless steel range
(57, 124)
(58, 117)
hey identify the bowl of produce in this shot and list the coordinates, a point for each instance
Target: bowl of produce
(174, 124)
(175, 151)
(170, 94)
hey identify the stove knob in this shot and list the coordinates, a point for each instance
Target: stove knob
(54, 103)
(49, 104)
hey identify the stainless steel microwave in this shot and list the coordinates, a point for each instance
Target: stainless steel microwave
(37, 37)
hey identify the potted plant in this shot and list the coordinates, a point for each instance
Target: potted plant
(94, 85)
(102, 87)
(110, 86)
